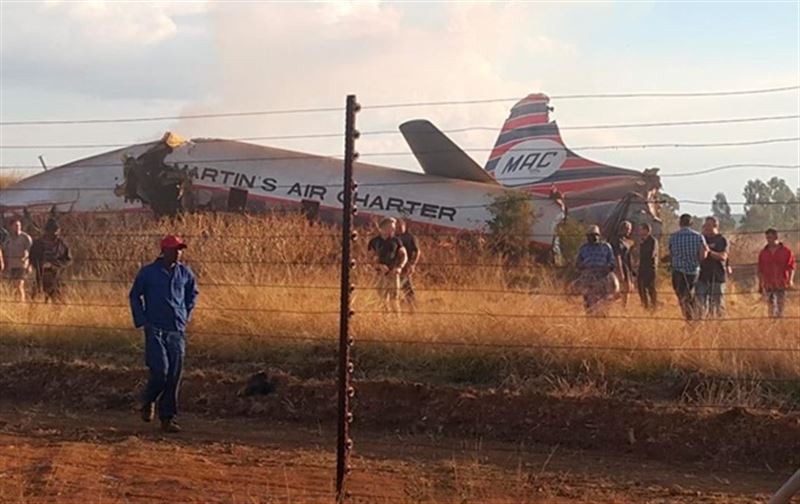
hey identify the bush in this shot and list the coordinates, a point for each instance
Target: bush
(511, 224)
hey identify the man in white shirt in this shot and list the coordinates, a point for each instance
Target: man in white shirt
(17, 256)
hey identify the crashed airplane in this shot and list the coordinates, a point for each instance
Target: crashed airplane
(454, 193)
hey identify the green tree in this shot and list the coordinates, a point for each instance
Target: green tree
(571, 235)
(511, 224)
(770, 204)
(669, 212)
(722, 211)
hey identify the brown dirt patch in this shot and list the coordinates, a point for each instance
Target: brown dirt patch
(54, 455)
(716, 436)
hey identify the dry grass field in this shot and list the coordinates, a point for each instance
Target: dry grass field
(273, 280)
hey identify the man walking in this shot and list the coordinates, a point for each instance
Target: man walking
(648, 265)
(162, 299)
(17, 251)
(713, 270)
(596, 264)
(776, 265)
(49, 255)
(621, 245)
(412, 250)
(391, 257)
(687, 250)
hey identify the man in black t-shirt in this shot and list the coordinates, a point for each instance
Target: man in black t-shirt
(390, 259)
(648, 264)
(711, 282)
(621, 245)
(412, 249)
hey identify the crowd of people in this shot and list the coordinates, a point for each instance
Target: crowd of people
(164, 292)
(607, 270)
(699, 269)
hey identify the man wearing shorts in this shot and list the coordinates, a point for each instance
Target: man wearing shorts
(391, 258)
(17, 256)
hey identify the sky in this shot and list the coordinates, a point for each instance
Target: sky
(94, 60)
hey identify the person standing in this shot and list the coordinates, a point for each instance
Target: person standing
(687, 250)
(412, 250)
(776, 266)
(17, 250)
(391, 257)
(648, 265)
(621, 245)
(162, 299)
(49, 255)
(596, 265)
(713, 270)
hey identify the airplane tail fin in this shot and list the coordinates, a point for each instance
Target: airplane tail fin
(527, 136)
(530, 154)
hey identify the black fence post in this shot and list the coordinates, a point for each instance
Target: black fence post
(346, 391)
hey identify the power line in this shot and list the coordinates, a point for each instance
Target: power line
(172, 117)
(694, 122)
(591, 96)
(398, 105)
(729, 167)
(741, 143)
(302, 156)
(396, 132)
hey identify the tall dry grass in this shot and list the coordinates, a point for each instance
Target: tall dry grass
(277, 283)
(6, 179)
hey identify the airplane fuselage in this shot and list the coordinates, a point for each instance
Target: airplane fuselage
(262, 178)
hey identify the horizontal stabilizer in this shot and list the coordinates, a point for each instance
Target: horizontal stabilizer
(438, 155)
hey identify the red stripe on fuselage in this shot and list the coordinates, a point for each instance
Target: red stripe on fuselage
(570, 188)
(525, 120)
(499, 150)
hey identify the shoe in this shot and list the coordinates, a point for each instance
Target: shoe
(170, 426)
(148, 412)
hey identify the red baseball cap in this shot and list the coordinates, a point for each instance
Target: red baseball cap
(172, 242)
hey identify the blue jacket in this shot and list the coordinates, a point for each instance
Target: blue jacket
(163, 299)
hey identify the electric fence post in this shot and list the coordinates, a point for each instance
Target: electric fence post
(344, 443)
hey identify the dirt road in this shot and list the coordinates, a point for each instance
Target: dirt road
(69, 434)
(57, 455)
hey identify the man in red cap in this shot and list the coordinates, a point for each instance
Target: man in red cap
(162, 299)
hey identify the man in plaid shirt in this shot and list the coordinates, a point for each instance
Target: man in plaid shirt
(687, 249)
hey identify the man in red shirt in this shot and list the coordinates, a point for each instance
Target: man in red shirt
(775, 273)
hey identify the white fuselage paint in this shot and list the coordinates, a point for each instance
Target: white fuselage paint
(276, 177)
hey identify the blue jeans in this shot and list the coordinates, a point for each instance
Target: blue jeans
(164, 352)
(684, 285)
(711, 299)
